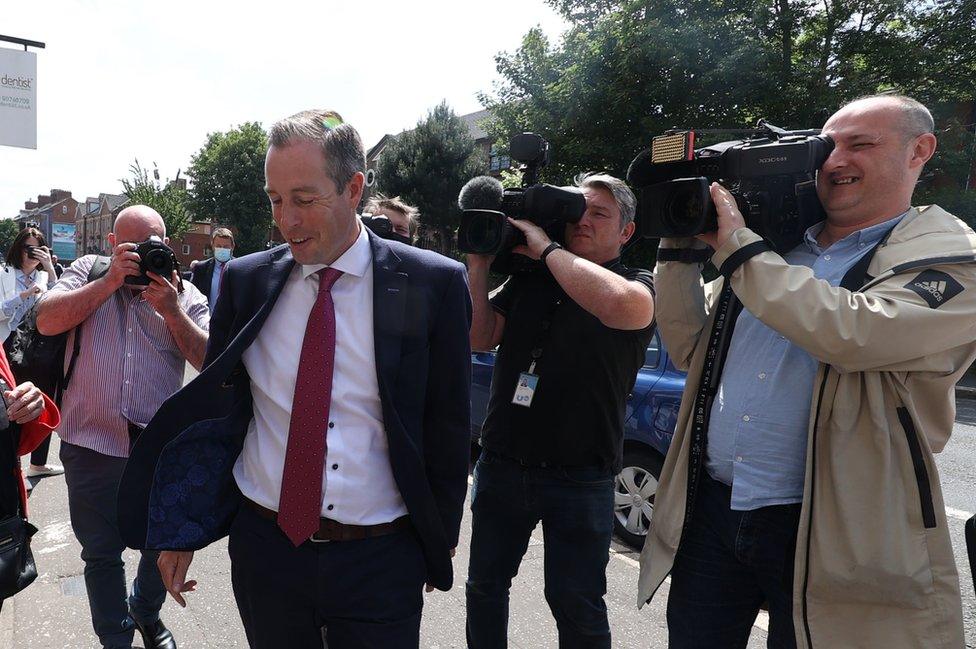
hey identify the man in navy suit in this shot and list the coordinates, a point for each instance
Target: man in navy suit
(328, 433)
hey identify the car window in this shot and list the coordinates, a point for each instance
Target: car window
(652, 356)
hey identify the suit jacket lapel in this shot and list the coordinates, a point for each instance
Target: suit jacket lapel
(389, 307)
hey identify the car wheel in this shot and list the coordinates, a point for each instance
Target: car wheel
(634, 491)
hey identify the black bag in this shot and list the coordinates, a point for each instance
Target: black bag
(38, 358)
(17, 569)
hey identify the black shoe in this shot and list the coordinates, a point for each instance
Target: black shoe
(156, 635)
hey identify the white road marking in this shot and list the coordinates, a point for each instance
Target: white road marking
(55, 533)
(952, 512)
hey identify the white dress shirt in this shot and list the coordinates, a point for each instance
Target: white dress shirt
(357, 483)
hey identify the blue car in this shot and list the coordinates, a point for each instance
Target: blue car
(652, 411)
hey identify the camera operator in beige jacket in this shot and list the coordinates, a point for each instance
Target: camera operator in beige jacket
(873, 564)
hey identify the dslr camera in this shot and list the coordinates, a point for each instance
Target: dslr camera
(771, 173)
(485, 205)
(156, 257)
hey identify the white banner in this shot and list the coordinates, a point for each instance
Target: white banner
(18, 98)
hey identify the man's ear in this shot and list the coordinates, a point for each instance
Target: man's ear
(111, 240)
(166, 240)
(355, 186)
(627, 232)
(923, 150)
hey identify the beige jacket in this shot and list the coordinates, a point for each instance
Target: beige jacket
(874, 565)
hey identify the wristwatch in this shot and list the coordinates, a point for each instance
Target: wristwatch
(545, 253)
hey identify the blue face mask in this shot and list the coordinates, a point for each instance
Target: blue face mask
(222, 255)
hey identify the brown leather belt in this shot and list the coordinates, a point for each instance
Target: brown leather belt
(330, 530)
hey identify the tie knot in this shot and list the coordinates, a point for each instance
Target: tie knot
(328, 277)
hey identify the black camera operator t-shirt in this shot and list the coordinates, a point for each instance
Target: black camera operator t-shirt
(586, 370)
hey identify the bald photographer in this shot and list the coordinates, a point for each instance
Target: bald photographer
(820, 384)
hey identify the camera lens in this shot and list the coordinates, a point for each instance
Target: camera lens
(682, 213)
(484, 233)
(158, 262)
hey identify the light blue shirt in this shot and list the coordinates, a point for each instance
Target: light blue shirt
(16, 308)
(757, 434)
(218, 272)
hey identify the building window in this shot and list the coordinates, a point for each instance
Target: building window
(499, 161)
(64, 209)
(186, 249)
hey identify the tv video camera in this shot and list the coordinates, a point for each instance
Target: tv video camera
(771, 173)
(485, 206)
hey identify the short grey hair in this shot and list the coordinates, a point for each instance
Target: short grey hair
(622, 196)
(915, 117)
(340, 143)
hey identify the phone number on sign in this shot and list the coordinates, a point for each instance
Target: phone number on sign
(17, 102)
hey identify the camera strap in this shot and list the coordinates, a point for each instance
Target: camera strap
(685, 255)
(727, 310)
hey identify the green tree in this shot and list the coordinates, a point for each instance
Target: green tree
(627, 70)
(9, 229)
(228, 184)
(427, 167)
(169, 198)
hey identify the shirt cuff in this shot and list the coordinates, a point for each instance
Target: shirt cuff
(11, 304)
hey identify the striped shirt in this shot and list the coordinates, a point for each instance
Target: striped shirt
(128, 364)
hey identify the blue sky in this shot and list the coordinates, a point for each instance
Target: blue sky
(121, 80)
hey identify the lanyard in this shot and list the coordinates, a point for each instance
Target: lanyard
(545, 326)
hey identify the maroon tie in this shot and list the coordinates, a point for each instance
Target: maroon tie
(300, 503)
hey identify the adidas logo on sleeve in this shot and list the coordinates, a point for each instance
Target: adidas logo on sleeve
(935, 287)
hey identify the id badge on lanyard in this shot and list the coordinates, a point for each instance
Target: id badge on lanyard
(525, 388)
(528, 382)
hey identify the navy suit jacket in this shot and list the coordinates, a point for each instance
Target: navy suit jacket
(178, 491)
(202, 275)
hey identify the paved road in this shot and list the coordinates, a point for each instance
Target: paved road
(53, 613)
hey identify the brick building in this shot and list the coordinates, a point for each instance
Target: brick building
(94, 220)
(195, 244)
(54, 214)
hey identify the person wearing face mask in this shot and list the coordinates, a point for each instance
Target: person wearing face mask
(206, 275)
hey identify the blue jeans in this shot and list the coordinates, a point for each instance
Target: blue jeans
(728, 564)
(93, 483)
(575, 506)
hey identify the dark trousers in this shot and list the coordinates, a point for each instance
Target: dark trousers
(575, 506)
(728, 564)
(39, 455)
(93, 483)
(351, 594)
